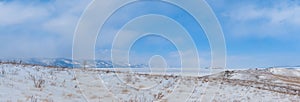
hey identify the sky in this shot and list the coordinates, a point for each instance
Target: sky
(258, 33)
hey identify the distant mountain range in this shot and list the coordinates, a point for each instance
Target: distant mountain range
(68, 63)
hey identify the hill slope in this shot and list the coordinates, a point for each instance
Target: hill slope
(37, 83)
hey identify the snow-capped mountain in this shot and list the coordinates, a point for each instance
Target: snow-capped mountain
(68, 63)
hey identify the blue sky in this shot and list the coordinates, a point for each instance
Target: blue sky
(257, 33)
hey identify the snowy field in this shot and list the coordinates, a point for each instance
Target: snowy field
(27, 83)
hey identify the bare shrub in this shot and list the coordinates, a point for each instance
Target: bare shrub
(33, 99)
(63, 83)
(74, 77)
(139, 99)
(228, 73)
(38, 82)
(2, 71)
(128, 78)
(38, 69)
(158, 96)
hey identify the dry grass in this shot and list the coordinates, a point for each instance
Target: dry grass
(288, 79)
(125, 91)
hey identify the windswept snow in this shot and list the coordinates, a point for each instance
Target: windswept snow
(292, 72)
(23, 83)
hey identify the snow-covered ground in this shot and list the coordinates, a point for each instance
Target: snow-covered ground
(23, 83)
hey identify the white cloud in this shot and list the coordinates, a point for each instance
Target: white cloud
(38, 29)
(276, 15)
(258, 20)
(290, 14)
(63, 25)
(16, 13)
